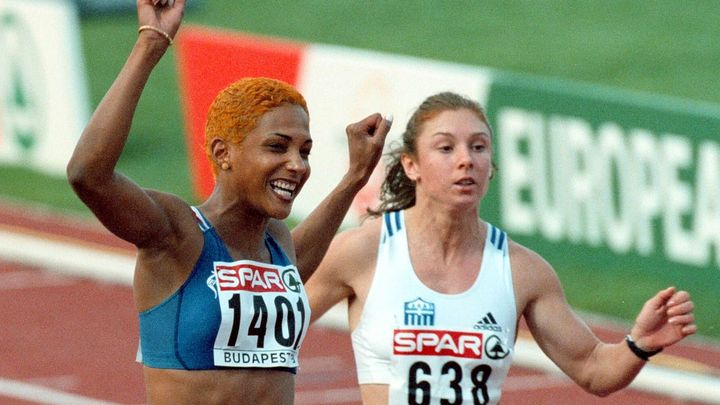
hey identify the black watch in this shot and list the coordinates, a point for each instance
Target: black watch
(638, 351)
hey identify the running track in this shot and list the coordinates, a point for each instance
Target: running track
(66, 338)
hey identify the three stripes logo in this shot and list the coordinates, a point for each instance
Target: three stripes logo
(488, 323)
(497, 237)
(392, 224)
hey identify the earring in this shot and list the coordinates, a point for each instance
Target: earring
(225, 165)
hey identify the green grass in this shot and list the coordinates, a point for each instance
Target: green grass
(620, 293)
(664, 47)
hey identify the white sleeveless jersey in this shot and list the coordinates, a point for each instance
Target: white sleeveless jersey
(429, 346)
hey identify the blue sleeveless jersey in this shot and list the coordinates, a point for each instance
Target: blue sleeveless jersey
(180, 333)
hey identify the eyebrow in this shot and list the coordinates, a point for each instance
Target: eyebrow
(281, 135)
(480, 134)
(287, 137)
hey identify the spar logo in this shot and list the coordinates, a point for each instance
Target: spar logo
(419, 342)
(248, 276)
(289, 277)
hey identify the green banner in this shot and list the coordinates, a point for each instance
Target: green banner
(598, 177)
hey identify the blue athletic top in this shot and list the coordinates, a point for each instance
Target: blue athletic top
(183, 331)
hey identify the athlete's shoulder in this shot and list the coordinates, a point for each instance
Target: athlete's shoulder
(523, 257)
(356, 243)
(533, 276)
(367, 230)
(181, 223)
(349, 258)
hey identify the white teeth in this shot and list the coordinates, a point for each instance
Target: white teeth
(283, 193)
(283, 188)
(284, 185)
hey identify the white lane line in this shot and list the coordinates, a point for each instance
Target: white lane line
(327, 396)
(59, 382)
(25, 280)
(43, 395)
(67, 258)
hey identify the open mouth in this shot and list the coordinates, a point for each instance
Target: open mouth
(465, 182)
(284, 189)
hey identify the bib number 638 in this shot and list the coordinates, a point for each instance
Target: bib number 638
(419, 389)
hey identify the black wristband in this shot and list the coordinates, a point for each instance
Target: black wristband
(638, 351)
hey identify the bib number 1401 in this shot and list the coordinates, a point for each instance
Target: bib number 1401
(284, 328)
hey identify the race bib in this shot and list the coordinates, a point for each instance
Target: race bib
(447, 366)
(265, 314)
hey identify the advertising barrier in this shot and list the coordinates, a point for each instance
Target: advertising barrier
(611, 174)
(43, 94)
(634, 176)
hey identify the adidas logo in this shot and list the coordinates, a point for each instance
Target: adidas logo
(488, 323)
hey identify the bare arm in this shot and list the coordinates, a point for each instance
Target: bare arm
(346, 271)
(122, 206)
(312, 237)
(599, 367)
(328, 285)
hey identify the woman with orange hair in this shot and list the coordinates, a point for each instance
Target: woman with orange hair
(218, 286)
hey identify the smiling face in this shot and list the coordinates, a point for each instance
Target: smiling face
(452, 163)
(269, 167)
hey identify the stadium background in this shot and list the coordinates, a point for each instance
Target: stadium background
(664, 48)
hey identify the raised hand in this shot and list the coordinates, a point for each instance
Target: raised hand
(165, 15)
(366, 139)
(664, 320)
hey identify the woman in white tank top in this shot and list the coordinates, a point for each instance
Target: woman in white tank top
(435, 293)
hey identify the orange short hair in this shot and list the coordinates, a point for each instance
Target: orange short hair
(237, 108)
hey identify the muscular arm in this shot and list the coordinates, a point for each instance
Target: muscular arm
(122, 206)
(598, 367)
(346, 271)
(312, 237)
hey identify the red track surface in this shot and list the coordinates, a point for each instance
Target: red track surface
(79, 336)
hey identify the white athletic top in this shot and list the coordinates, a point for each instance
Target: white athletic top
(429, 346)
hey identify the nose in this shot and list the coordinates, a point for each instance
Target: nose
(297, 164)
(465, 158)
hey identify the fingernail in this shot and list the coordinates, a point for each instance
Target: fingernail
(389, 118)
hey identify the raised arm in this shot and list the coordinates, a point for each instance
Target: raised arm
(122, 206)
(599, 367)
(312, 237)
